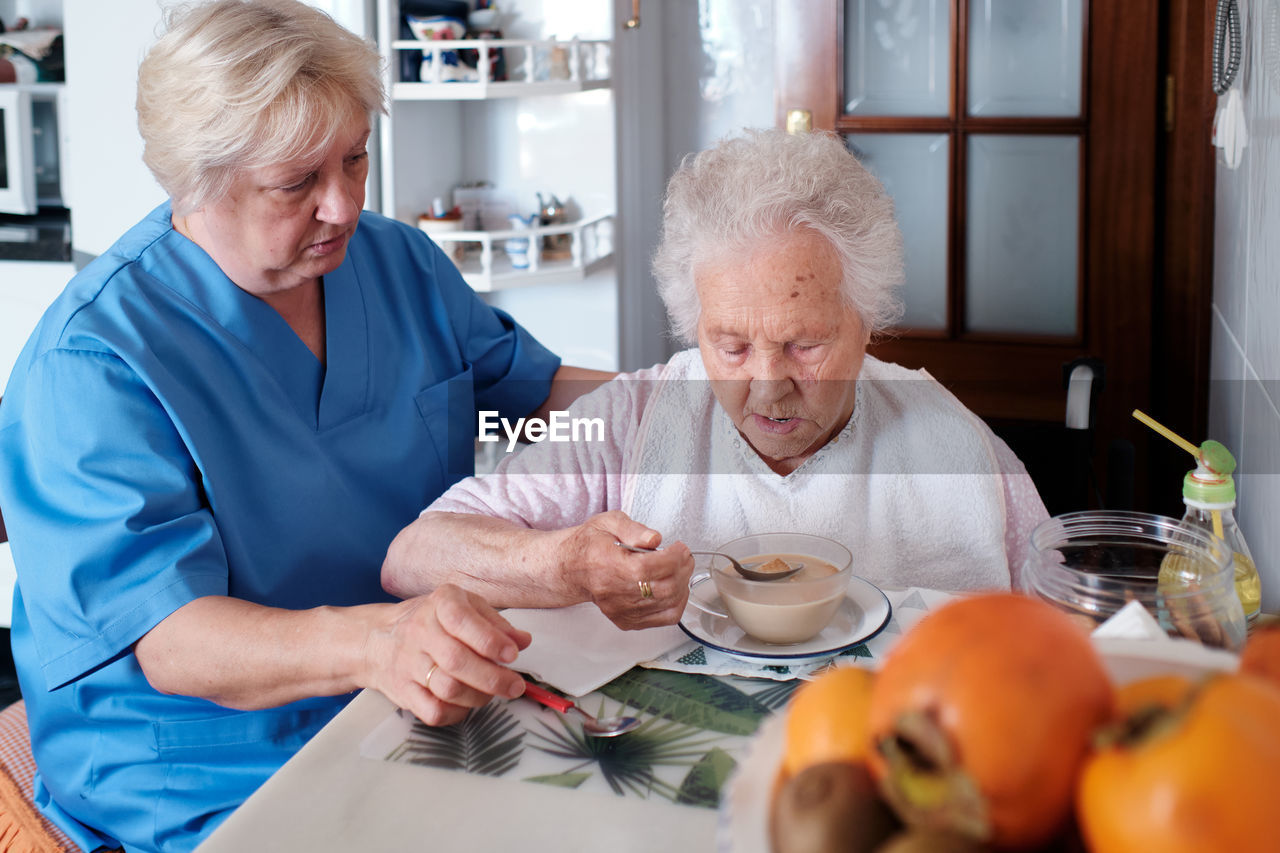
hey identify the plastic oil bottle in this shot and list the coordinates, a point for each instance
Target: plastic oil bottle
(1209, 492)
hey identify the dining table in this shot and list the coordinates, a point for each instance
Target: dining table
(517, 775)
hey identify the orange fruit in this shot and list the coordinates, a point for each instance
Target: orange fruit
(1157, 691)
(982, 716)
(1201, 777)
(827, 720)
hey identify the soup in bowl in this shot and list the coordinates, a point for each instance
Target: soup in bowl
(790, 610)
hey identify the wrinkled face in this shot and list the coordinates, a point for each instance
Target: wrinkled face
(781, 346)
(285, 225)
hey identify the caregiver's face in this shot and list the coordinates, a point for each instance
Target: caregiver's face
(285, 225)
(780, 345)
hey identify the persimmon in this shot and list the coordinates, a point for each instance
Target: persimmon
(1155, 691)
(981, 717)
(1202, 776)
(1261, 653)
(827, 720)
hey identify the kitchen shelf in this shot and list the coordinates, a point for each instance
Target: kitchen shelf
(528, 69)
(440, 136)
(490, 268)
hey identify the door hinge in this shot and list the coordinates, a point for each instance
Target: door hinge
(1168, 103)
(799, 121)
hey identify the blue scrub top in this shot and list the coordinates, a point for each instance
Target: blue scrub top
(165, 435)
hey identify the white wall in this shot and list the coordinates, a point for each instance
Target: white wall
(107, 187)
(695, 71)
(105, 184)
(1245, 369)
(26, 290)
(718, 70)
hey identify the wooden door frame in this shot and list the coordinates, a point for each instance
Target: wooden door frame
(1158, 193)
(1183, 329)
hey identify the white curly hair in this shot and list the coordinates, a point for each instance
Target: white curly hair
(762, 184)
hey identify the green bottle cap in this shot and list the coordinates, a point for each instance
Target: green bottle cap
(1215, 456)
(1211, 481)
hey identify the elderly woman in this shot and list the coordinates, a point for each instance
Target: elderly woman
(218, 428)
(779, 256)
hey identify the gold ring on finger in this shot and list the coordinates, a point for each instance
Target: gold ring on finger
(646, 590)
(427, 681)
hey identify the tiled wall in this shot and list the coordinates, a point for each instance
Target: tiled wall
(1245, 394)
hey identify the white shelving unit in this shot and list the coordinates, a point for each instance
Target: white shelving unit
(522, 135)
(486, 267)
(585, 63)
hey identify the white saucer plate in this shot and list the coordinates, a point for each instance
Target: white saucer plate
(863, 614)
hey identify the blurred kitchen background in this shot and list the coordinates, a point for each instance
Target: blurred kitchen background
(1160, 281)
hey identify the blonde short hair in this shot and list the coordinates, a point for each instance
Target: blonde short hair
(761, 186)
(241, 84)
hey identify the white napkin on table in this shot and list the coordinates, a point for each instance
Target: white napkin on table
(577, 649)
(1133, 621)
(1133, 645)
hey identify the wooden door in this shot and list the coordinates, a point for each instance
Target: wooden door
(1103, 159)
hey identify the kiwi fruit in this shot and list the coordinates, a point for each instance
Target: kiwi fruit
(931, 841)
(830, 808)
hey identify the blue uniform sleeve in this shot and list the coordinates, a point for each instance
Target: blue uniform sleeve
(112, 534)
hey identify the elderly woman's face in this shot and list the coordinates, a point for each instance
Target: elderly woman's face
(780, 345)
(285, 225)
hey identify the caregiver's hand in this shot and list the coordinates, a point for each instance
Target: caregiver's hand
(634, 590)
(440, 655)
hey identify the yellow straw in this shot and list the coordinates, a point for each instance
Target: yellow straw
(1217, 524)
(1167, 433)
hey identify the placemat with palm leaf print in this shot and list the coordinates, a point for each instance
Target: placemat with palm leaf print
(695, 725)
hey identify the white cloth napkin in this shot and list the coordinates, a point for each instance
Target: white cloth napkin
(577, 649)
(1133, 645)
(1229, 130)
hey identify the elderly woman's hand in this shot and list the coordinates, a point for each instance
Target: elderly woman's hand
(443, 654)
(634, 590)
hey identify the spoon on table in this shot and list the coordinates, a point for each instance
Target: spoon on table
(594, 726)
(749, 573)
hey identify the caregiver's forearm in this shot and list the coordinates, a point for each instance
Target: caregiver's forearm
(508, 565)
(244, 655)
(569, 384)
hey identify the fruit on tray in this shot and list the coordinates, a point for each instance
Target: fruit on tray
(992, 726)
(827, 719)
(1201, 775)
(982, 716)
(1156, 691)
(830, 808)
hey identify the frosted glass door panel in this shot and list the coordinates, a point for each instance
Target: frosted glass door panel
(1025, 57)
(897, 57)
(1023, 224)
(913, 168)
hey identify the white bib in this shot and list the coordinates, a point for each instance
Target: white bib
(911, 485)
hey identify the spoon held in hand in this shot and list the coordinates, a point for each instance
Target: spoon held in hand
(594, 726)
(751, 573)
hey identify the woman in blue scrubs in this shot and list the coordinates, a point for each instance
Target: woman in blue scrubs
(217, 429)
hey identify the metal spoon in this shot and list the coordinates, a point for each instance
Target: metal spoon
(746, 572)
(594, 726)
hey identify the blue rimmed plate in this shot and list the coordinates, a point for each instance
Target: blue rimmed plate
(863, 614)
